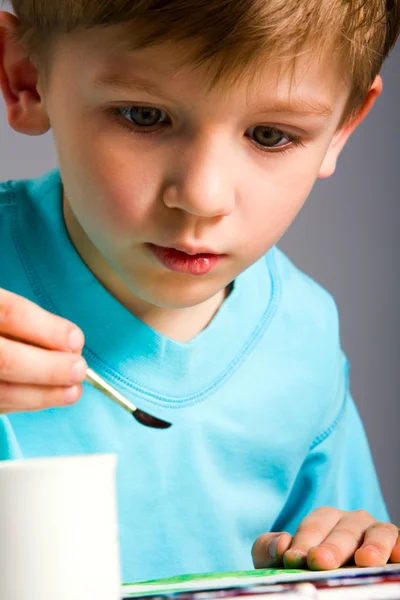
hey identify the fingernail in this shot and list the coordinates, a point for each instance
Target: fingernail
(273, 547)
(76, 340)
(72, 394)
(78, 371)
(372, 548)
(295, 559)
(320, 557)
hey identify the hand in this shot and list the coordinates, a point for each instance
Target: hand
(41, 365)
(327, 539)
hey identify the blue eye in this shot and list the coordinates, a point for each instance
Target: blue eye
(144, 116)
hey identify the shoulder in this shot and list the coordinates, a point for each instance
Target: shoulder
(24, 202)
(7, 196)
(310, 309)
(19, 191)
(12, 189)
(307, 338)
(26, 205)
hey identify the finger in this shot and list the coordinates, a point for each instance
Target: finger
(22, 398)
(269, 548)
(343, 541)
(379, 540)
(395, 554)
(312, 531)
(23, 364)
(22, 319)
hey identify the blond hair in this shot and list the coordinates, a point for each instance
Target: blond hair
(230, 35)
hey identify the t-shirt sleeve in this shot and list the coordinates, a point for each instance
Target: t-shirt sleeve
(338, 471)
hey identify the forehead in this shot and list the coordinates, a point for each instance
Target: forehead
(105, 61)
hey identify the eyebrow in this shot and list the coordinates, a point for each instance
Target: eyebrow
(119, 83)
(301, 106)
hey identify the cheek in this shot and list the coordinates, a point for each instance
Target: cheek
(125, 197)
(108, 189)
(269, 207)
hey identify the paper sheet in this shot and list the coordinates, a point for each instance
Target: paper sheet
(238, 579)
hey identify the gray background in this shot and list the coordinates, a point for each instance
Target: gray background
(346, 238)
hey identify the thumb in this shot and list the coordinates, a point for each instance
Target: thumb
(269, 548)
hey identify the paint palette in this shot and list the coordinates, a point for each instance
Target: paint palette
(344, 584)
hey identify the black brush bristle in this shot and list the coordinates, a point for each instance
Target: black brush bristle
(149, 421)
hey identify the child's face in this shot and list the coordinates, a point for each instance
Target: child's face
(212, 172)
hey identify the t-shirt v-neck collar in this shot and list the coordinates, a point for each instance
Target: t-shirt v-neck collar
(119, 345)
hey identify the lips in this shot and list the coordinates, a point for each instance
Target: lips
(189, 261)
(192, 251)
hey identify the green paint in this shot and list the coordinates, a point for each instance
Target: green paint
(193, 581)
(205, 576)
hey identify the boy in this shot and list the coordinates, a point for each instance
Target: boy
(189, 135)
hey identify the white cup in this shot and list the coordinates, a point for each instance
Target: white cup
(58, 529)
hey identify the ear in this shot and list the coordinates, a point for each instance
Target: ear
(19, 82)
(342, 135)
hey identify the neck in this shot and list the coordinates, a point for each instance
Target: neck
(181, 324)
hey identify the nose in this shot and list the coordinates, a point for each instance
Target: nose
(202, 180)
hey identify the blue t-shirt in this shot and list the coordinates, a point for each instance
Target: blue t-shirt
(264, 427)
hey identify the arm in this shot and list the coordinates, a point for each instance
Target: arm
(338, 472)
(335, 505)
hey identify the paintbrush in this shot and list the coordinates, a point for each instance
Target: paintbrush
(144, 418)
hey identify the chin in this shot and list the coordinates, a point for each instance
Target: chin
(179, 297)
(174, 302)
